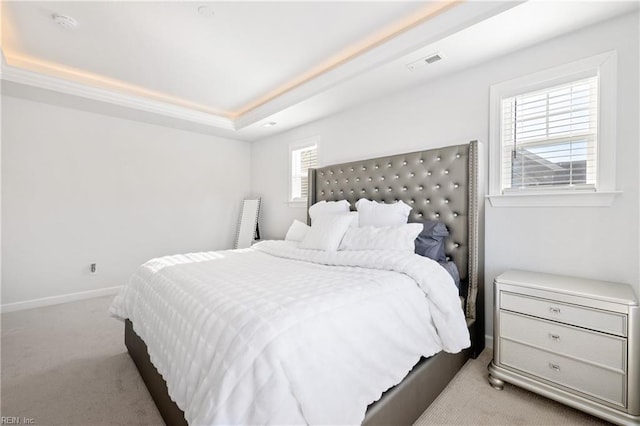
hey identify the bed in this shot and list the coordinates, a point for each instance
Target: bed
(440, 184)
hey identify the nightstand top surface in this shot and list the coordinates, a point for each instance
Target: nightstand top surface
(583, 287)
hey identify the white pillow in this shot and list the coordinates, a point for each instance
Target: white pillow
(371, 213)
(326, 232)
(331, 207)
(355, 222)
(399, 238)
(297, 231)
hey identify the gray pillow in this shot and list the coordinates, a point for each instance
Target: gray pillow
(452, 269)
(430, 242)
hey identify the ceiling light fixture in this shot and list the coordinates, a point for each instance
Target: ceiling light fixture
(269, 124)
(66, 22)
(206, 11)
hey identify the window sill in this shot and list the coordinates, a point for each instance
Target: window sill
(560, 199)
(298, 204)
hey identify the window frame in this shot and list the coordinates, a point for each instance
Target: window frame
(296, 146)
(605, 67)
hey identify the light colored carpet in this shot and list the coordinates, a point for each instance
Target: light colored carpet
(67, 365)
(470, 400)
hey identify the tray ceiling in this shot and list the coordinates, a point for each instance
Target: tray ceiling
(242, 64)
(225, 64)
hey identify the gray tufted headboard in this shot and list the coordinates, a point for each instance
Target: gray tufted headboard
(440, 184)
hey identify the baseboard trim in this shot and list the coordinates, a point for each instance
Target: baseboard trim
(56, 300)
(488, 341)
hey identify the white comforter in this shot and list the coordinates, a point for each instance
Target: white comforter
(280, 335)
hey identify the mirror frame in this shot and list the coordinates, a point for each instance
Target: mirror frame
(247, 231)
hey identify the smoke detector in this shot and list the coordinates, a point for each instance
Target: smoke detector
(428, 60)
(206, 11)
(66, 22)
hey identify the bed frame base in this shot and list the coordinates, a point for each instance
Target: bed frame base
(171, 414)
(400, 405)
(404, 403)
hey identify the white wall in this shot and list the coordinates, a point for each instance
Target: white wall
(80, 187)
(601, 243)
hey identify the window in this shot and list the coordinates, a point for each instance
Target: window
(550, 136)
(553, 136)
(303, 156)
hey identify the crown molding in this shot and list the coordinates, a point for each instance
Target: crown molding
(439, 25)
(31, 78)
(290, 102)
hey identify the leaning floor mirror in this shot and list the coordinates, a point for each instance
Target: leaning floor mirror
(248, 231)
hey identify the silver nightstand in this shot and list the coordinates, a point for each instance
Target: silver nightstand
(573, 340)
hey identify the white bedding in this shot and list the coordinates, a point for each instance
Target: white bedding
(275, 334)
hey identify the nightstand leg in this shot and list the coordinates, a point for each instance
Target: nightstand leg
(496, 383)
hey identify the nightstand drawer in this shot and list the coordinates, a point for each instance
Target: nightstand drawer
(586, 378)
(608, 322)
(594, 347)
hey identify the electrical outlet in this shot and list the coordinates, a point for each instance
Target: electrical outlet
(93, 269)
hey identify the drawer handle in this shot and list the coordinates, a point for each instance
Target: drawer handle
(554, 367)
(554, 337)
(554, 310)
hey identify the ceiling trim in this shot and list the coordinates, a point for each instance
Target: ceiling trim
(425, 14)
(440, 25)
(87, 80)
(393, 42)
(96, 80)
(31, 78)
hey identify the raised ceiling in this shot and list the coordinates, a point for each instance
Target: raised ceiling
(253, 62)
(224, 64)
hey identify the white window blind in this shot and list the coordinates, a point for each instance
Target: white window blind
(549, 138)
(302, 159)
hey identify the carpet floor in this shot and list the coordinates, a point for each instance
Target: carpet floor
(67, 365)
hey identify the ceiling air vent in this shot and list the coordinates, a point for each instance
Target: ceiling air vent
(431, 59)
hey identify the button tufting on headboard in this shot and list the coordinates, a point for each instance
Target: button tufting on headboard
(436, 183)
